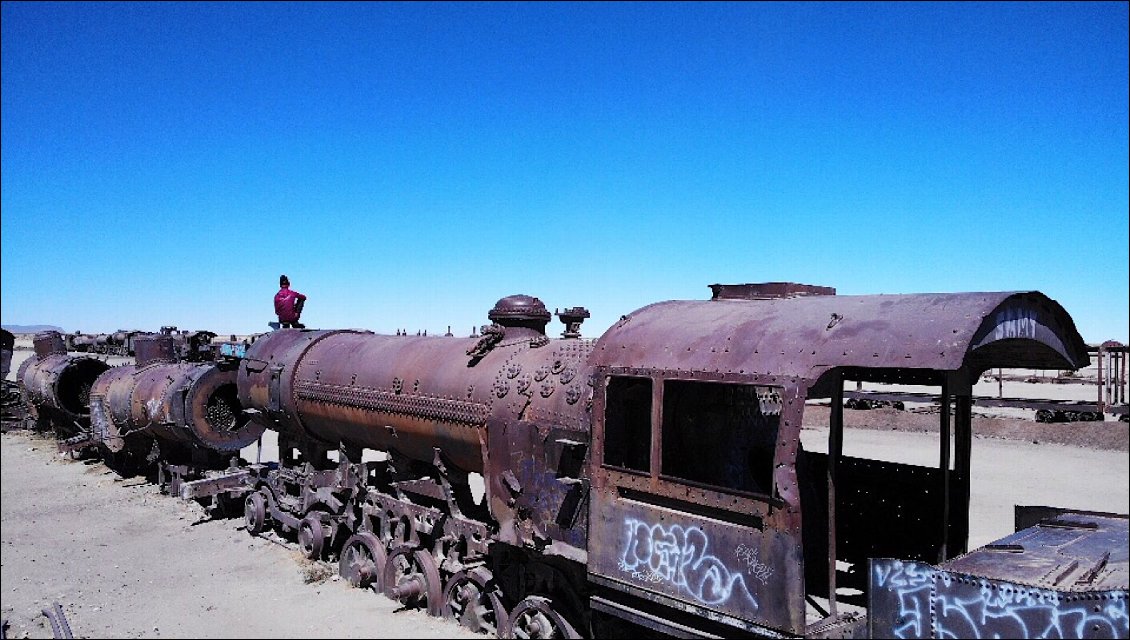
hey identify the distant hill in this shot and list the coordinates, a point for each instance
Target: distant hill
(31, 328)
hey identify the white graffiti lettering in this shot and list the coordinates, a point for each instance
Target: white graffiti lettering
(754, 567)
(642, 576)
(679, 557)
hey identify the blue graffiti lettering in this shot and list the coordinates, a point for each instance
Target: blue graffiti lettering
(999, 610)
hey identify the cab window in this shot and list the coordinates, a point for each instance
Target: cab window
(627, 423)
(719, 434)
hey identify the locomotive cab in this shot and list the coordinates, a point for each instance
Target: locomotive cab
(708, 516)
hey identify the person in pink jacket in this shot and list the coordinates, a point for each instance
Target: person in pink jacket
(288, 305)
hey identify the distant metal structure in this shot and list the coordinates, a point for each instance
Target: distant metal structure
(1110, 391)
(191, 346)
(12, 413)
(1111, 360)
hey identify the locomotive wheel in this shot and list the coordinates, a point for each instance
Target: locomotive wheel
(363, 560)
(473, 602)
(411, 577)
(534, 617)
(255, 513)
(311, 537)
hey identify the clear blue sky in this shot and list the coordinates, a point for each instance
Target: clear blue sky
(409, 164)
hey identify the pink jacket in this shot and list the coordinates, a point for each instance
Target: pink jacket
(285, 300)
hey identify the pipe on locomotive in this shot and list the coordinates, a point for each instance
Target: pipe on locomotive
(181, 403)
(57, 386)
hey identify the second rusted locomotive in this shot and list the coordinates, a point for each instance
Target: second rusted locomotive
(184, 417)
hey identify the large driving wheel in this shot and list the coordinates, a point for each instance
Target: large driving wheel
(472, 600)
(412, 578)
(255, 513)
(363, 560)
(311, 537)
(535, 617)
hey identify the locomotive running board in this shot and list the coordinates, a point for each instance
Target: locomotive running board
(645, 619)
(669, 615)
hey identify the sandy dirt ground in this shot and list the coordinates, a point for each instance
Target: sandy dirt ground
(125, 561)
(128, 562)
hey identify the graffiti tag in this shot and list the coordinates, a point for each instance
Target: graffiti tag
(679, 557)
(993, 609)
(754, 566)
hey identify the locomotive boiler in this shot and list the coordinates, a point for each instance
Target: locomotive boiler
(189, 412)
(56, 387)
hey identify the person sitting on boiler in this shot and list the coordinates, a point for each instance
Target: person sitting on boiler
(288, 305)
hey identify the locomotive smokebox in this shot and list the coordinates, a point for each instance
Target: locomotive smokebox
(58, 385)
(190, 404)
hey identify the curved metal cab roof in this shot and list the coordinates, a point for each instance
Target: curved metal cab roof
(805, 336)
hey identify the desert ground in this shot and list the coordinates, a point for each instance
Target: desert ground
(125, 561)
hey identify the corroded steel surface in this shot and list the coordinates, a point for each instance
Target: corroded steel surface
(111, 389)
(48, 343)
(153, 348)
(805, 336)
(1069, 552)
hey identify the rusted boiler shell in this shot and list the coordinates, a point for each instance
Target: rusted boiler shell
(57, 381)
(413, 394)
(186, 403)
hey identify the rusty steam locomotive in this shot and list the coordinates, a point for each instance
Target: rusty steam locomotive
(531, 487)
